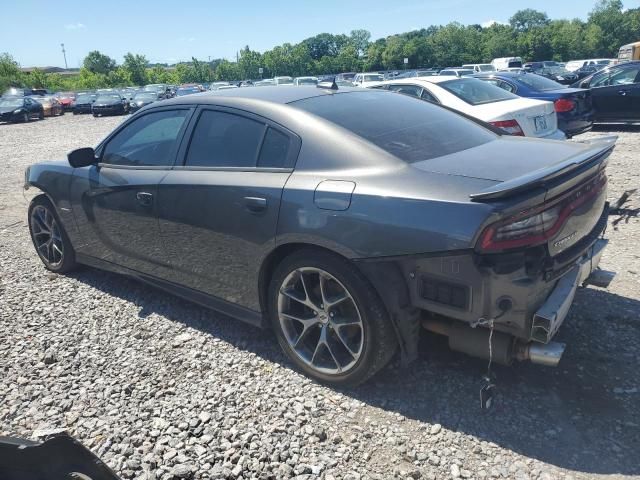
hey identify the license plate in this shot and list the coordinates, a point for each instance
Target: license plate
(540, 123)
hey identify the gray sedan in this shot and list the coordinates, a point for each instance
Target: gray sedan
(345, 219)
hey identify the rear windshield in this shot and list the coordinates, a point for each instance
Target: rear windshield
(411, 129)
(538, 82)
(476, 92)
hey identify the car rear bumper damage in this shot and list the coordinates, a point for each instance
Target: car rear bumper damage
(526, 296)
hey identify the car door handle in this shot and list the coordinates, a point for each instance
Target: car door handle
(255, 204)
(144, 198)
(623, 92)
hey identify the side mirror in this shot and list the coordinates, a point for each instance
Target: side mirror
(584, 84)
(82, 157)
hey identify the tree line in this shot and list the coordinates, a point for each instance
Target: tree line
(530, 34)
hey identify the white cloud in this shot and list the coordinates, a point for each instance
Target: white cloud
(75, 26)
(491, 22)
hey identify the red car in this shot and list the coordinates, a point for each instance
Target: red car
(66, 99)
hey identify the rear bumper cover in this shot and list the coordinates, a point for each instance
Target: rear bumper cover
(520, 290)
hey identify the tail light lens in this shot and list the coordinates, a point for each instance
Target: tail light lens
(564, 105)
(536, 226)
(512, 127)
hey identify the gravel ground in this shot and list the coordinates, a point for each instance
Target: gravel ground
(161, 388)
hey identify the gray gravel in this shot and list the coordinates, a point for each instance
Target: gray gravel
(161, 388)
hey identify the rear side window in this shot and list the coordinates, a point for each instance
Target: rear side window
(275, 150)
(412, 131)
(223, 139)
(411, 90)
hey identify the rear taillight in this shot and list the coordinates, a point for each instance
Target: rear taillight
(536, 226)
(512, 127)
(564, 105)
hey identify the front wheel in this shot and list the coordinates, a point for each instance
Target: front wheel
(328, 319)
(49, 238)
(25, 118)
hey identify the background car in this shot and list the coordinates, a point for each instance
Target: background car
(480, 67)
(270, 222)
(66, 99)
(109, 104)
(305, 81)
(284, 80)
(456, 72)
(510, 113)
(20, 109)
(142, 99)
(51, 107)
(216, 85)
(573, 106)
(83, 103)
(552, 71)
(367, 79)
(189, 90)
(615, 91)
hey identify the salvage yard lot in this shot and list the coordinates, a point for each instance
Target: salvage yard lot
(159, 387)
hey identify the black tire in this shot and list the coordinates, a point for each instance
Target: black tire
(68, 260)
(379, 343)
(41, 115)
(25, 118)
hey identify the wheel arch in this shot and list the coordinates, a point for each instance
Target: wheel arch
(384, 277)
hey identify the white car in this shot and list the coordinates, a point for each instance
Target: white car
(574, 65)
(283, 80)
(456, 72)
(305, 81)
(367, 79)
(480, 67)
(512, 114)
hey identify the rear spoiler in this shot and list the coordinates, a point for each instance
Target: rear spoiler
(600, 149)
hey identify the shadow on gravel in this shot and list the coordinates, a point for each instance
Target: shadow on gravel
(583, 416)
(616, 128)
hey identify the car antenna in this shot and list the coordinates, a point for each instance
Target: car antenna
(331, 85)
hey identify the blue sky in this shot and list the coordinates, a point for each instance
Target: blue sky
(171, 31)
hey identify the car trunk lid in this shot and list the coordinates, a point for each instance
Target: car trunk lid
(537, 118)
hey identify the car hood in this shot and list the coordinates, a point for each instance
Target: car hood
(8, 109)
(503, 159)
(107, 104)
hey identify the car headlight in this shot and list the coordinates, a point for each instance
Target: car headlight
(18, 110)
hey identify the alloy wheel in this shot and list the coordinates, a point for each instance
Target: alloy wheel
(47, 236)
(320, 321)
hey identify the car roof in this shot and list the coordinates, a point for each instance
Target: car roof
(500, 74)
(431, 79)
(275, 94)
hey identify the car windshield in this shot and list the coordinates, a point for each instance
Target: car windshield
(411, 130)
(108, 98)
(284, 80)
(145, 96)
(486, 68)
(11, 102)
(476, 92)
(462, 73)
(307, 81)
(374, 78)
(84, 98)
(537, 82)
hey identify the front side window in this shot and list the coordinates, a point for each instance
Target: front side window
(222, 139)
(624, 77)
(150, 140)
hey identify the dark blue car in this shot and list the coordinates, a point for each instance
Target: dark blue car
(573, 106)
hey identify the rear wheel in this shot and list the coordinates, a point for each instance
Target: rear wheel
(49, 238)
(328, 319)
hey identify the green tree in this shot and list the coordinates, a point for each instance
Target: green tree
(360, 40)
(10, 74)
(97, 62)
(524, 20)
(37, 79)
(136, 66)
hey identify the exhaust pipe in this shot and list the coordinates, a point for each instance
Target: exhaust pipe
(548, 354)
(505, 348)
